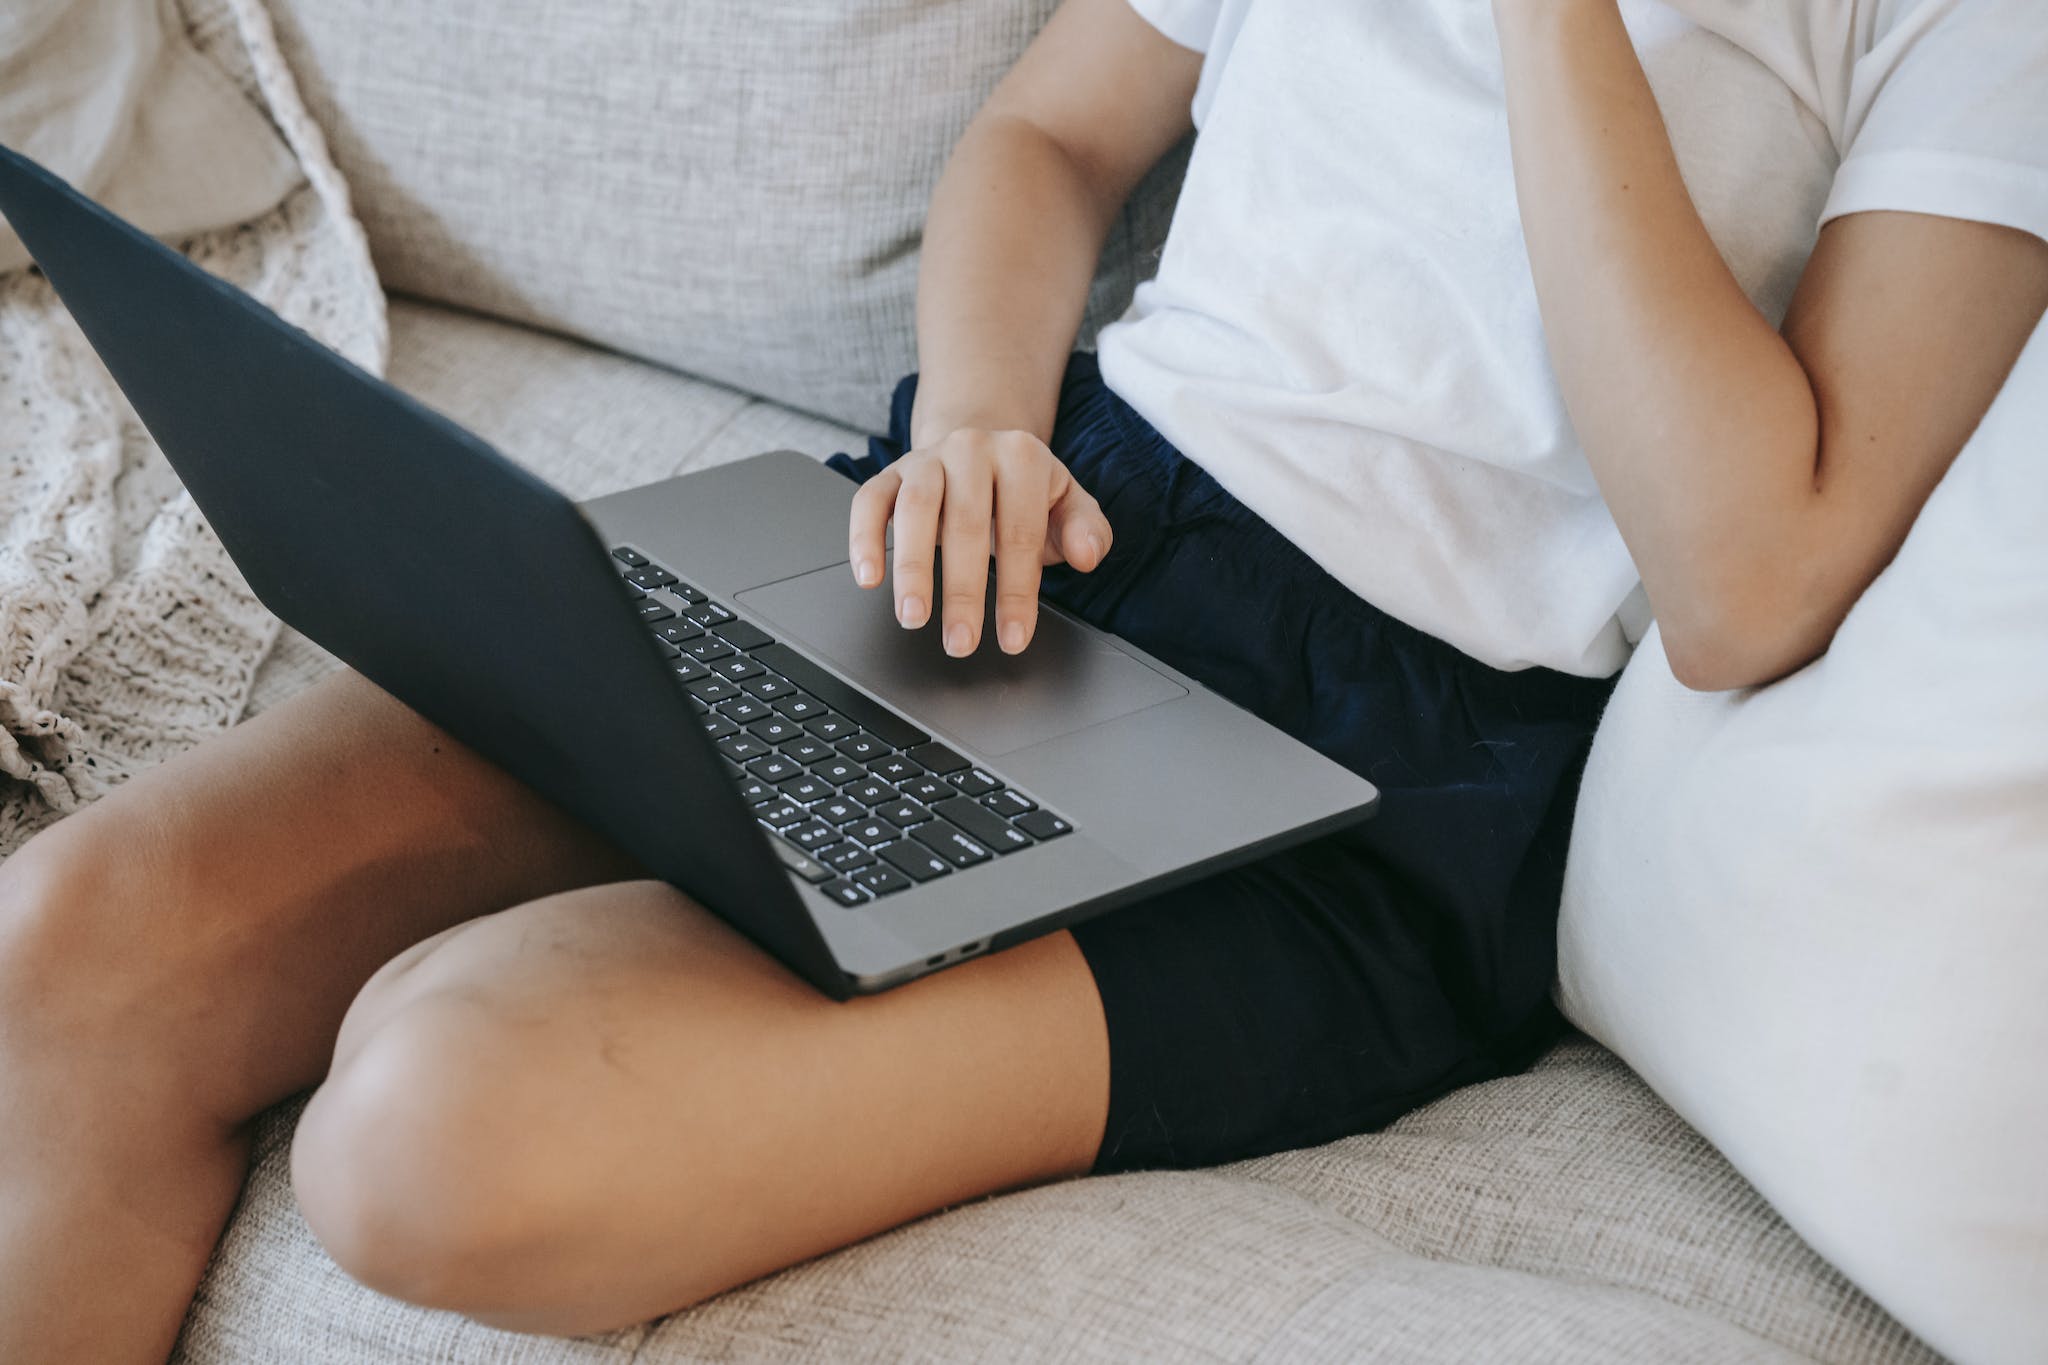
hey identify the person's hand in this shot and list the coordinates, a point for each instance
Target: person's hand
(972, 489)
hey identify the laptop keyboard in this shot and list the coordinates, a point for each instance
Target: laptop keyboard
(860, 802)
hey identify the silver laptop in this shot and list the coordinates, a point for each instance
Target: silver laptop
(687, 667)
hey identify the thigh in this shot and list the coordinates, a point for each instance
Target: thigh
(606, 1105)
(227, 905)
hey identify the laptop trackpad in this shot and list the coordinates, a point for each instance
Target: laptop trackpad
(1067, 678)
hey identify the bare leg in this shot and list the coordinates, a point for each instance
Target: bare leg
(178, 957)
(606, 1105)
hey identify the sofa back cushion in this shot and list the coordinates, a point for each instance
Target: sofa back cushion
(733, 189)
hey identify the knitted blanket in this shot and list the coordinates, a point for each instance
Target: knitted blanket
(126, 633)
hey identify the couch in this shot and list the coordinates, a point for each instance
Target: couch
(624, 239)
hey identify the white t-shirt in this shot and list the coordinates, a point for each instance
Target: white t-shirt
(1343, 329)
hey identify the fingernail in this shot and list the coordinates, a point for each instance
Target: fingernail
(1092, 543)
(912, 612)
(1013, 637)
(864, 573)
(956, 639)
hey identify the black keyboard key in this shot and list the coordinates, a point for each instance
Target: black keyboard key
(632, 559)
(691, 596)
(951, 843)
(862, 747)
(845, 892)
(838, 810)
(744, 635)
(744, 711)
(881, 879)
(773, 729)
(871, 715)
(707, 613)
(937, 758)
(707, 648)
(806, 750)
(872, 832)
(801, 863)
(895, 768)
(839, 770)
(679, 631)
(984, 825)
(773, 768)
(975, 782)
(1009, 804)
(738, 668)
(831, 727)
(810, 836)
(688, 669)
(650, 577)
(846, 857)
(712, 689)
(904, 813)
(717, 727)
(805, 707)
(732, 769)
(770, 686)
(741, 747)
(666, 650)
(806, 789)
(869, 792)
(652, 611)
(913, 860)
(778, 813)
(927, 789)
(697, 705)
(1043, 824)
(754, 791)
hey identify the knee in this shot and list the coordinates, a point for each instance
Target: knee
(413, 1169)
(66, 969)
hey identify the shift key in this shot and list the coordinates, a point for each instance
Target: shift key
(914, 860)
(983, 824)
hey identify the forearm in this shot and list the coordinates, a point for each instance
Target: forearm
(1010, 246)
(1700, 423)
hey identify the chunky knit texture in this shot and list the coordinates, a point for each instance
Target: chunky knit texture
(126, 633)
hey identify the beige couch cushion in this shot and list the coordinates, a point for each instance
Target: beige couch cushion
(1563, 1216)
(734, 190)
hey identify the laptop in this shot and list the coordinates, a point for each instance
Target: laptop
(687, 667)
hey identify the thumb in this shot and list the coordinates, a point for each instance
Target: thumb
(1075, 529)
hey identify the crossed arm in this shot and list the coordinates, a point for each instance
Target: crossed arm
(1761, 477)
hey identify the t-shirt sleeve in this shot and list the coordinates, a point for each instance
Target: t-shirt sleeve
(1947, 114)
(1191, 23)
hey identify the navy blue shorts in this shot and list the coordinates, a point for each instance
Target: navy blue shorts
(1328, 989)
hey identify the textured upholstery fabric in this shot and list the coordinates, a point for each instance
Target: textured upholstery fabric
(1562, 1216)
(736, 190)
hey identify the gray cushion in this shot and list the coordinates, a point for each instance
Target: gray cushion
(736, 190)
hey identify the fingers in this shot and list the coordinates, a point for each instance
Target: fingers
(868, 528)
(964, 535)
(1022, 474)
(1076, 529)
(971, 490)
(918, 501)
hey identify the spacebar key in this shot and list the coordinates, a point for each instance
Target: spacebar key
(886, 726)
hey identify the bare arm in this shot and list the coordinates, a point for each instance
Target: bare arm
(1760, 478)
(1016, 226)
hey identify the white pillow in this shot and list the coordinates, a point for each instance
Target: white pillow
(112, 95)
(1815, 916)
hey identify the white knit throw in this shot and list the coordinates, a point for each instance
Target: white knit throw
(126, 634)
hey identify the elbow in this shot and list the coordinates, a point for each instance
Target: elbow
(1735, 640)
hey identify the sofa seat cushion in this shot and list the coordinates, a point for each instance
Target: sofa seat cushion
(1565, 1215)
(1560, 1216)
